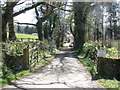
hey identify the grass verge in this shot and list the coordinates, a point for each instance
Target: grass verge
(110, 83)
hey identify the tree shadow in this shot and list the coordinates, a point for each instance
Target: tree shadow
(67, 52)
(16, 86)
(98, 76)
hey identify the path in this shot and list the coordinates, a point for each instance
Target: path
(64, 71)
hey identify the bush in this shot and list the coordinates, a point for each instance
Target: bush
(90, 64)
(90, 47)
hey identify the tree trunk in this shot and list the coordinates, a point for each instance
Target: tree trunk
(4, 29)
(54, 24)
(46, 31)
(79, 37)
(5, 19)
(39, 29)
(0, 26)
(12, 35)
(62, 34)
(71, 25)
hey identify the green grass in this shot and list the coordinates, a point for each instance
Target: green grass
(90, 65)
(12, 76)
(110, 83)
(20, 35)
(26, 36)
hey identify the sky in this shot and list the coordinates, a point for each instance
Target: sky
(29, 16)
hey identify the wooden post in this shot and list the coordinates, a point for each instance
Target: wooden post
(26, 58)
(118, 49)
(28, 39)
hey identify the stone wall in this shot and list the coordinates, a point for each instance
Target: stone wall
(108, 68)
(14, 62)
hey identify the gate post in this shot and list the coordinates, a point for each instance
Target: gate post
(118, 49)
(26, 58)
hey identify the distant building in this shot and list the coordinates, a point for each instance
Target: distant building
(34, 34)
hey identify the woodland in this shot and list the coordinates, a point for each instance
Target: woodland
(92, 30)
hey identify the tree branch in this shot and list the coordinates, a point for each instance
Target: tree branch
(26, 23)
(58, 7)
(21, 2)
(37, 14)
(28, 8)
(71, 24)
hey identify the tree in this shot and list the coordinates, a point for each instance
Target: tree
(81, 10)
(12, 35)
(8, 15)
(113, 10)
(45, 11)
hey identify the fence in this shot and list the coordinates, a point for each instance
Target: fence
(34, 52)
(22, 54)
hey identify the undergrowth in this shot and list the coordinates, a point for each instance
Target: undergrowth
(90, 65)
(9, 75)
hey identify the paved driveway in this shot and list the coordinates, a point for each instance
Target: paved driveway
(64, 71)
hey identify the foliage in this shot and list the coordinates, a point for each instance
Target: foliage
(88, 46)
(110, 83)
(45, 45)
(90, 49)
(111, 52)
(14, 48)
(25, 29)
(8, 75)
(90, 64)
